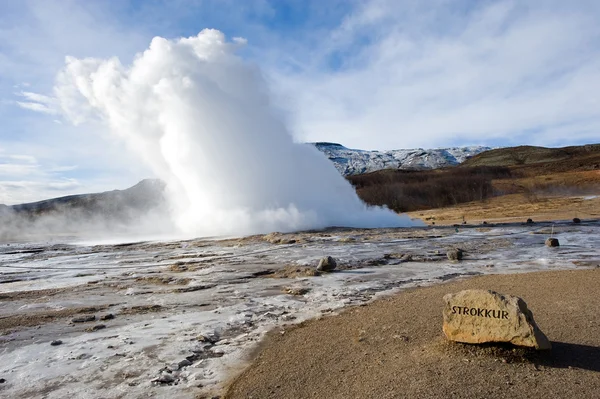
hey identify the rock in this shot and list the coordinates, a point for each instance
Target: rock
(576, 220)
(96, 328)
(184, 363)
(296, 290)
(83, 319)
(211, 338)
(273, 238)
(529, 221)
(56, 342)
(172, 367)
(552, 242)
(109, 316)
(165, 378)
(479, 316)
(455, 254)
(327, 264)
(2, 380)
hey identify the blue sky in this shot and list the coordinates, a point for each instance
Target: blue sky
(371, 74)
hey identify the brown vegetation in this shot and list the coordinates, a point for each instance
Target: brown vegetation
(535, 173)
(404, 191)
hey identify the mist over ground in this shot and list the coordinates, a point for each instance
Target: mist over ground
(201, 118)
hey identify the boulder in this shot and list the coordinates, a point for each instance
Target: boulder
(480, 316)
(552, 242)
(455, 254)
(327, 264)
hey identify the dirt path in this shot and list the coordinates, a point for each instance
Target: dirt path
(394, 348)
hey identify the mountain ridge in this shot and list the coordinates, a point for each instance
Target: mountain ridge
(351, 162)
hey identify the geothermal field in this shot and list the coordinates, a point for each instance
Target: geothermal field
(179, 319)
(90, 311)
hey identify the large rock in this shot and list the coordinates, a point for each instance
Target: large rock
(455, 254)
(327, 264)
(479, 316)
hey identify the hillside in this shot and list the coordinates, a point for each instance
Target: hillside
(529, 175)
(353, 162)
(584, 157)
(118, 209)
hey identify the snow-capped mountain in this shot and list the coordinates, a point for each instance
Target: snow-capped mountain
(352, 162)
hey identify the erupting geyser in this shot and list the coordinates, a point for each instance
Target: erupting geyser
(200, 116)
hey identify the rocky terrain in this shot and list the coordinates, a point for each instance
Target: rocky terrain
(178, 319)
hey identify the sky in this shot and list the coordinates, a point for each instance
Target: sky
(369, 74)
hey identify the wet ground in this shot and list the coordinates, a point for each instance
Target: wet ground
(178, 318)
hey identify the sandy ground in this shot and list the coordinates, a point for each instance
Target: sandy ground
(394, 348)
(514, 208)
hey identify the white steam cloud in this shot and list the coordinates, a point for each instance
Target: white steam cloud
(200, 116)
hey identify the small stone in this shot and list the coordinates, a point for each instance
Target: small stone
(211, 338)
(455, 254)
(576, 220)
(327, 264)
(164, 378)
(56, 342)
(552, 242)
(83, 319)
(96, 328)
(109, 316)
(529, 221)
(296, 290)
(479, 316)
(184, 363)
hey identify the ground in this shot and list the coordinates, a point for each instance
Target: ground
(181, 319)
(515, 208)
(394, 348)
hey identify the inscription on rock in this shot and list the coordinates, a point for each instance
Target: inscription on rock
(494, 314)
(479, 316)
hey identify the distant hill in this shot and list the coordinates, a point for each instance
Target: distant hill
(584, 157)
(353, 162)
(534, 172)
(118, 210)
(145, 195)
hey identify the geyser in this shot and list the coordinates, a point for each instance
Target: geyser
(200, 116)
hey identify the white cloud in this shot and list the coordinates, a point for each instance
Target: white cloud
(37, 107)
(377, 74)
(16, 169)
(22, 191)
(24, 158)
(409, 76)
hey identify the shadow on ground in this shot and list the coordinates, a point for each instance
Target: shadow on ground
(566, 355)
(563, 355)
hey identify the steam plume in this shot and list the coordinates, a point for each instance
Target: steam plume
(200, 116)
